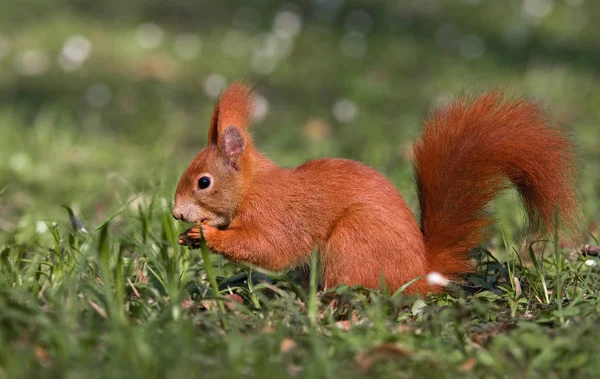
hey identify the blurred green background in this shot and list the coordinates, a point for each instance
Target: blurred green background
(105, 102)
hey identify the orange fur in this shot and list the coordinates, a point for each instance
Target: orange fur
(469, 153)
(273, 217)
(233, 108)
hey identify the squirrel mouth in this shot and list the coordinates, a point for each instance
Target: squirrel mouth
(217, 222)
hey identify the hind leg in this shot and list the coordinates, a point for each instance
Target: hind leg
(370, 251)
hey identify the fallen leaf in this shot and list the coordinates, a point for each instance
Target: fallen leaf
(591, 250)
(468, 365)
(135, 291)
(42, 354)
(383, 352)
(97, 308)
(517, 284)
(187, 303)
(210, 305)
(286, 345)
(483, 337)
(141, 277)
(344, 325)
(235, 300)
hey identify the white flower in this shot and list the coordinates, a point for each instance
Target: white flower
(437, 279)
(591, 263)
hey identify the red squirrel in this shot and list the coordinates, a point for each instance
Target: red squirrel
(251, 210)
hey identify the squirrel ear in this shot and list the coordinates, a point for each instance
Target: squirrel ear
(232, 145)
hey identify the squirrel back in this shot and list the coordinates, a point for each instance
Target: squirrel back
(251, 210)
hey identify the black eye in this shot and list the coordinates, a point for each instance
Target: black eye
(204, 182)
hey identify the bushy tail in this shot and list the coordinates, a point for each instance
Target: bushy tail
(469, 153)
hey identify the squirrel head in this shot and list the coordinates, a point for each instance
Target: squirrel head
(212, 186)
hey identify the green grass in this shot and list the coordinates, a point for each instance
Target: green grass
(123, 299)
(126, 300)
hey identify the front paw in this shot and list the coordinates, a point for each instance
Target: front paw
(210, 234)
(191, 237)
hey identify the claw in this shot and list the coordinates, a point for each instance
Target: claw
(191, 237)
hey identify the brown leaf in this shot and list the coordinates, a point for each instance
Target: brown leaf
(286, 345)
(141, 277)
(354, 318)
(384, 352)
(135, 291)
(42, 354)
(517, 284)
(210, 305)
(97, 308)
(468, 365)
(344, 325)
(591, 250)
(187, 303)
(235, 299)
(483, 337)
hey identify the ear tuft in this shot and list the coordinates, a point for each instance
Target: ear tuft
(235, 106)
(213, 130)
(233, 145)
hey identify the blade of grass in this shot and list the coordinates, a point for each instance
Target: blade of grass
(401, 290)
(312, 296)
(208, 268)
(539, 270)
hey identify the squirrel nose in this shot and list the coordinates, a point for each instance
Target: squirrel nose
(177, 216)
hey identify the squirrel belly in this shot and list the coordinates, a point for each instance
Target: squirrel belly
(251, 210)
